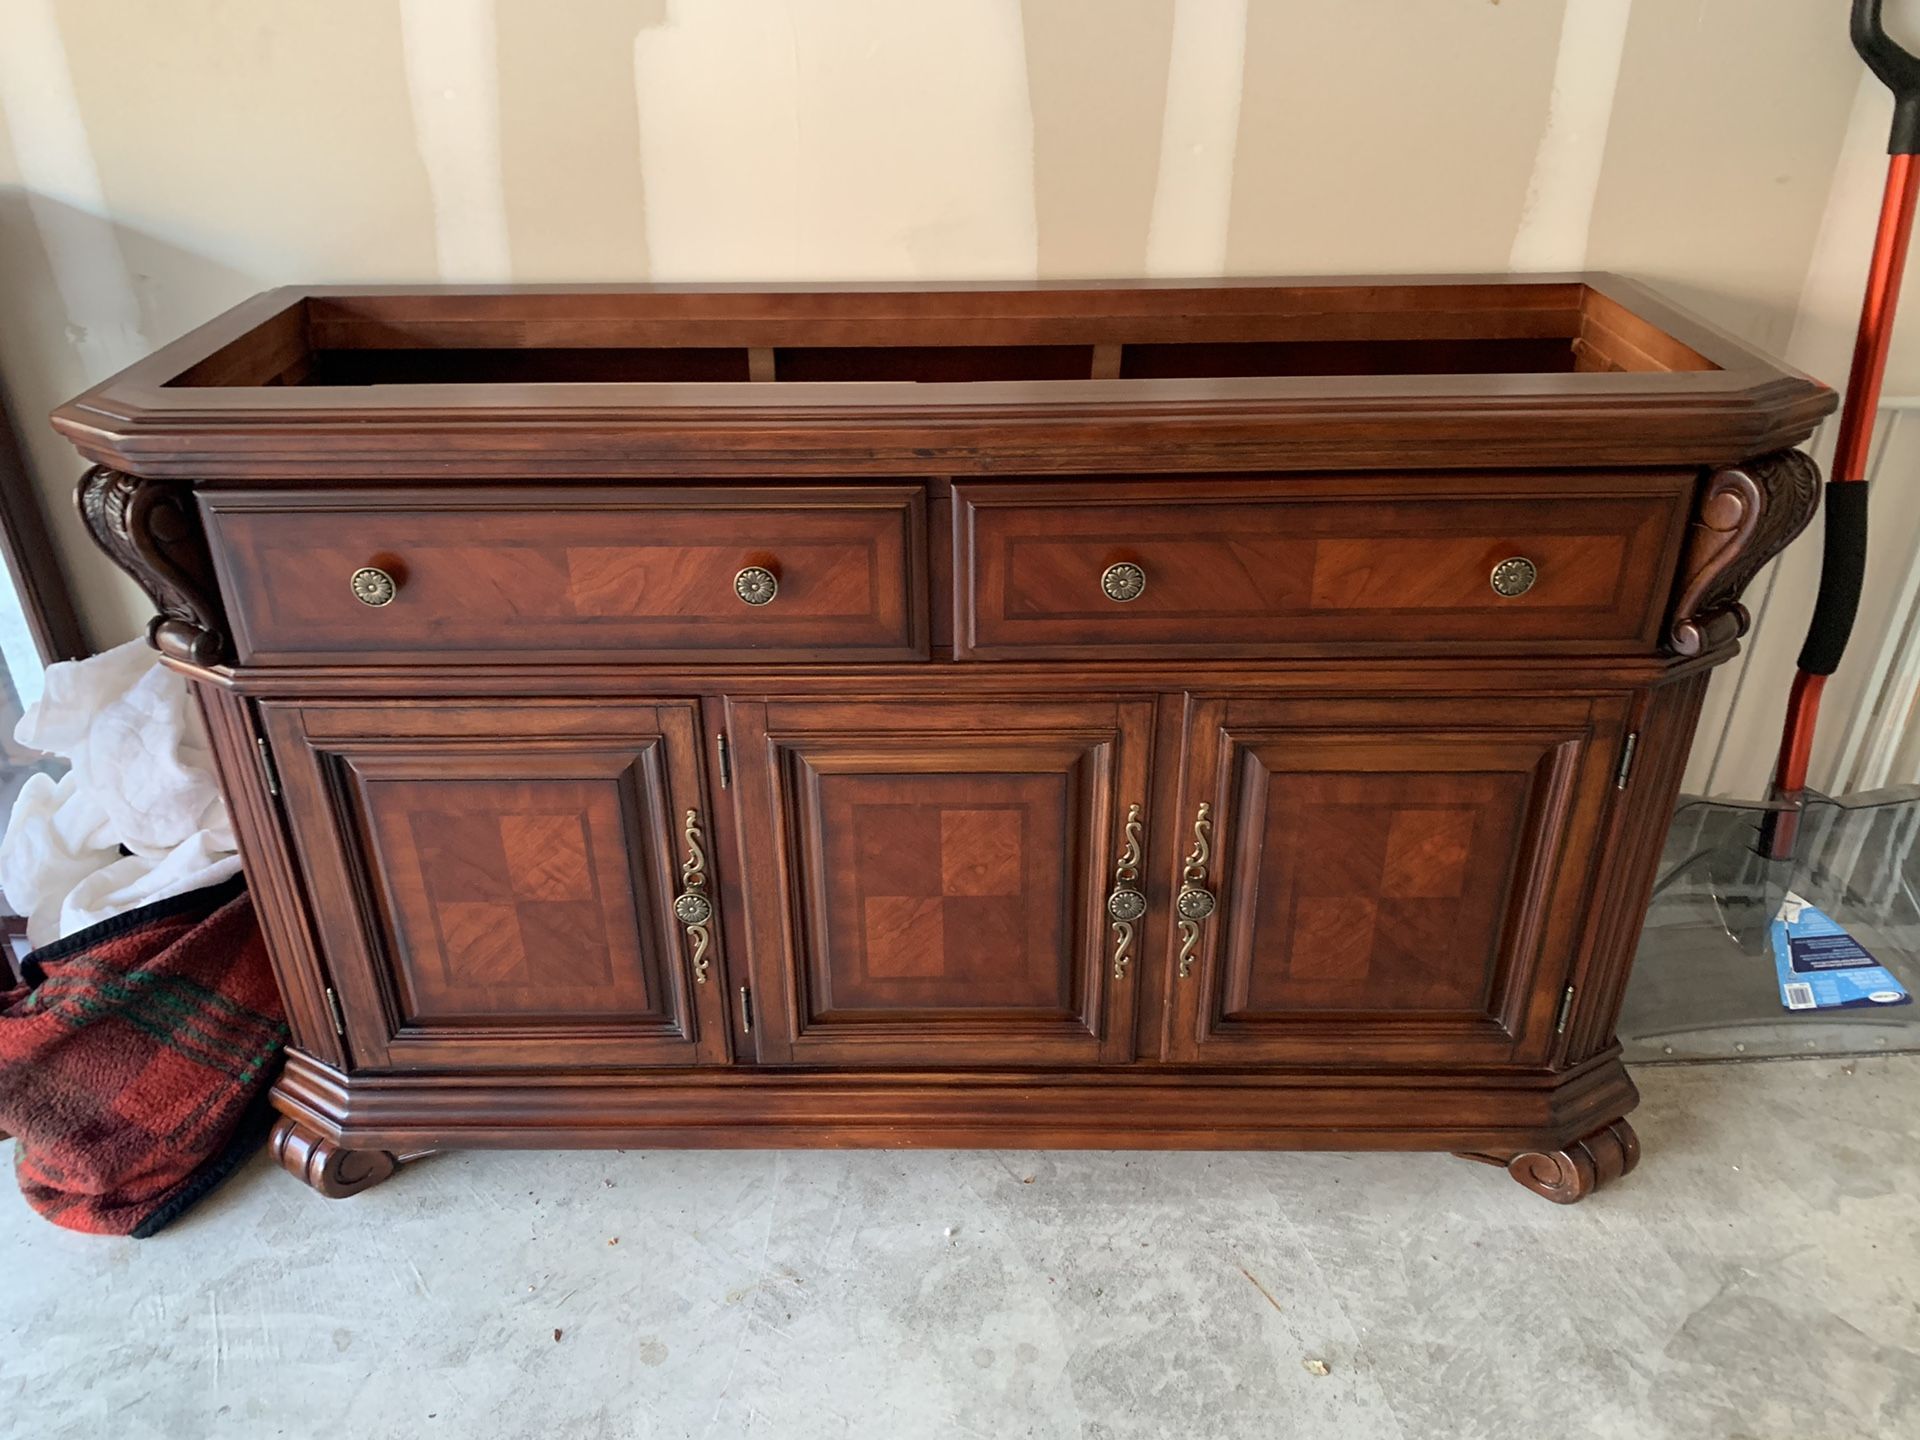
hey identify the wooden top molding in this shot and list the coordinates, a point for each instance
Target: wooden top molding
(445, 385)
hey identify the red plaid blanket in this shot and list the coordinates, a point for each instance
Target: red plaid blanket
(135, 1060)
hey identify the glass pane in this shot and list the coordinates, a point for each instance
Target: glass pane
(1705, 984)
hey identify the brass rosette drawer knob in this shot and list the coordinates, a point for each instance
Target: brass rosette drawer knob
(373, 586)
(1513, 577)
(756, 585)
(1123, 582)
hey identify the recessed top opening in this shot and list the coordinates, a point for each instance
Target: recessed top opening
(942, 337)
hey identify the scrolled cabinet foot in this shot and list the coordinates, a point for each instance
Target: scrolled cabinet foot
(328, 1168)
(1575, 1170)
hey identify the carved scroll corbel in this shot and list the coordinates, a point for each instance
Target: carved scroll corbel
(1748, 514)
(152, 531)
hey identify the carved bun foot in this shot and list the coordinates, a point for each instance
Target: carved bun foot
(336, 1173)
(1576, 1170)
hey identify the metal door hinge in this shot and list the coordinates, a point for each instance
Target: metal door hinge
(1566, 1009)
(271, 775)
(726, 760)
(746, 1009)
(1625, 769)
(339, 1020)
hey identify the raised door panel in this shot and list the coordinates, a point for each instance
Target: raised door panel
(928, 882)
(498, 886)
(1397, 881)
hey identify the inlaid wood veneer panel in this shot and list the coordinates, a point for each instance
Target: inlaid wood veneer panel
(947, 892)
(1258, 567)
(1381, 892)
(511, 899)
(494, 884)
(623, 571)
(941, 877)
(1397, 876)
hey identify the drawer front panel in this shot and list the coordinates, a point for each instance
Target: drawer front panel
(592, 574)
(1259, 568)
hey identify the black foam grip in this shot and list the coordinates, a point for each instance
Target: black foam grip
(1898, 71)
(1843, 565)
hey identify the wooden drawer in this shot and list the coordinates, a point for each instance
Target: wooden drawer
(573, 573)
(1315, 565)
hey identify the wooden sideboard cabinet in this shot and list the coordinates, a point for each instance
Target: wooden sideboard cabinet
(1189, 715)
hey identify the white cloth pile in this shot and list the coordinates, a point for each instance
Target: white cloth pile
(142, 778)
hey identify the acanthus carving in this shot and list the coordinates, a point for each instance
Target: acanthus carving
(1748, 514)
(152, 531)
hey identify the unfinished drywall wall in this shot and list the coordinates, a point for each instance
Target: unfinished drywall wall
(158, 163)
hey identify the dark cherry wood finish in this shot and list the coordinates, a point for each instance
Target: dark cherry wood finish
(1260, 568)
(1402, 873)
(332, 1169)
(936, 894)
(576, 574)
(1237, 714)
(519, 864)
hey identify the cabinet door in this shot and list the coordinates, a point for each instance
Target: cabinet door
(929, 882)
(1397, 881)
(496, 885)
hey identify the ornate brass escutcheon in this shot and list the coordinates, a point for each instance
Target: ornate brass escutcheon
(1195, 902)
(1126, 904)
(692, 907)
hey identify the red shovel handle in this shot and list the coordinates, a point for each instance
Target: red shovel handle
(1843, 564)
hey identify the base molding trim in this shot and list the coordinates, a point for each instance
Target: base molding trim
(1489, 1114)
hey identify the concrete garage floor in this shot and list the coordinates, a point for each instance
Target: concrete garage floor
(1757, 1277)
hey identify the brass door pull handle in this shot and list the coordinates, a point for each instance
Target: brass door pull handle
(1125, 903)
(1195, 902)
(1123, 582)
(373, 586)
(692, 907)
(756, 585)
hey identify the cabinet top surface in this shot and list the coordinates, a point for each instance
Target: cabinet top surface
(582, 381)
